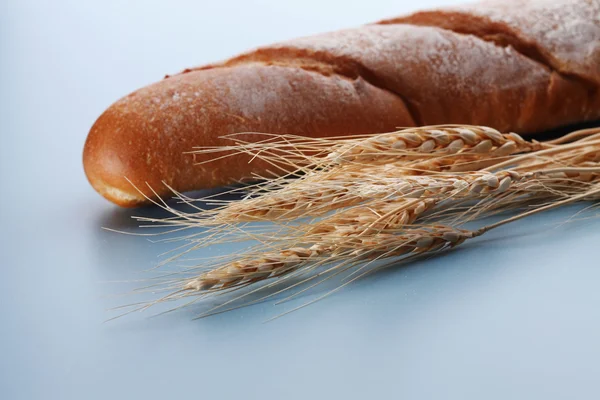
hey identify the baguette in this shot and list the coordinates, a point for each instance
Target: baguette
(518, 65)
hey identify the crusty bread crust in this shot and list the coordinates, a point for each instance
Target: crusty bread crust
(512, 68)
(145, 136)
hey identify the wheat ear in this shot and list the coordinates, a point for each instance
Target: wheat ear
(440, 140)
(359, 248)
(371, 209)
(361, 228)
(446, 148)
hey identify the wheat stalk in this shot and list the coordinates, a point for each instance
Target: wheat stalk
(363, 228)
(427, 141)
(341, 189)
(452, 149)
(323, 238)
(435, 140)
(276, 264)
(413, 199)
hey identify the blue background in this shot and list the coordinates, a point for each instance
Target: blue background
(512, 315)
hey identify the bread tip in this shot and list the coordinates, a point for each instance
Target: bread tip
(103, 169)
(118, 196)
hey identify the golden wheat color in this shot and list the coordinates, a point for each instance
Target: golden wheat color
(344, 204)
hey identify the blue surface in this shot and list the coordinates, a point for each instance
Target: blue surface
(511, 315)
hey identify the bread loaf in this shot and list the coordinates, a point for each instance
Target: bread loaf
(515, 65)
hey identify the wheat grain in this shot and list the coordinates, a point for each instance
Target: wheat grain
(362, 228)
(288, 153)
(324, 237)
(474, 140)
(448, 149)
(395, 195)
(341, 189)
(360, 237)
